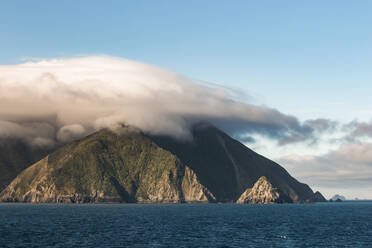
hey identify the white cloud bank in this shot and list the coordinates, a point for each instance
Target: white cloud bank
(51, 101)
(59, 100)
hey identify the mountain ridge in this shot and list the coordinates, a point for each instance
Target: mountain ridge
(127, 165)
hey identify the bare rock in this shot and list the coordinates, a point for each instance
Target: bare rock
(263, 192)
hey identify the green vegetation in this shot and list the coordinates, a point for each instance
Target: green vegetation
(134, 167)
(129, 167)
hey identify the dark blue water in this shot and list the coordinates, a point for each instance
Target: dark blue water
(347, 224)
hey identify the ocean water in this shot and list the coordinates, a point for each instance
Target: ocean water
(347, 224)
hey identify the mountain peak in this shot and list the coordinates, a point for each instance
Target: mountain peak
(263, 192)
(127, 165)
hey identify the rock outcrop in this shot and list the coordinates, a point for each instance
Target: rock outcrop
(107, 167)
(263, 193)
(127, 165)
(227, 168)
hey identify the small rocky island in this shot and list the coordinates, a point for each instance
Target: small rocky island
(337, 198)
(263, 192)
(129, 166)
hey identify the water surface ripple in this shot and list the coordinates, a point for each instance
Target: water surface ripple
(347, 224)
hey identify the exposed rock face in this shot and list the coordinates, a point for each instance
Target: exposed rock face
(107, 167)
(130, 166)
(263, 193)
(227, 168)
(193, 190)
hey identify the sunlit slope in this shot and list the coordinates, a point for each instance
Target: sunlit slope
(108, 167)
(127, 165)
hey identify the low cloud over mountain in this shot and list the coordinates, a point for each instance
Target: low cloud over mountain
(46, 102)
(60, 100)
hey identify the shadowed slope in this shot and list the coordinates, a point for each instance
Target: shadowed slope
(15, 156)
(130, 166)
(227, 167)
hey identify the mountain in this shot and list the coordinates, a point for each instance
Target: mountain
(228, 168)
(338, 197)
(15, 156)
(127, 165)
(263, 192)
(317, 197)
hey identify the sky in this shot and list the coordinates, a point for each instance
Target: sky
(305, 66)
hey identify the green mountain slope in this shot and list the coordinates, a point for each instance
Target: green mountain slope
(108, 167)
(129, 166)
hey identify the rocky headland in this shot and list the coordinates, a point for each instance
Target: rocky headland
(128, 166)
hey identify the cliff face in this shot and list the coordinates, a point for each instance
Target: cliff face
(129, 166)
(263, 193)
(108, 167)
(227, 167)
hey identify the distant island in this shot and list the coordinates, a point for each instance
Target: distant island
(337, 198)
(128, 166)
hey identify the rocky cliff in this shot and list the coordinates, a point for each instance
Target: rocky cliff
(263, 192)
(227, 167)
(108, 167)
(127, 165)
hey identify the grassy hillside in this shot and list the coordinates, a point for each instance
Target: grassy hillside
(129, 166)
(106, 166)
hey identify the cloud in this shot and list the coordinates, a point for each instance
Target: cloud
(71, 132)
(35, 133)
(359, 129)
(59, 100)
(246, 139)
(322, 124)
(349, 165)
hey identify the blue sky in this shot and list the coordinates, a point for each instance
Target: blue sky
(311, 53)
(310, 59)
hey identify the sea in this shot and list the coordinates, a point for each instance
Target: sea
(345, 224)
